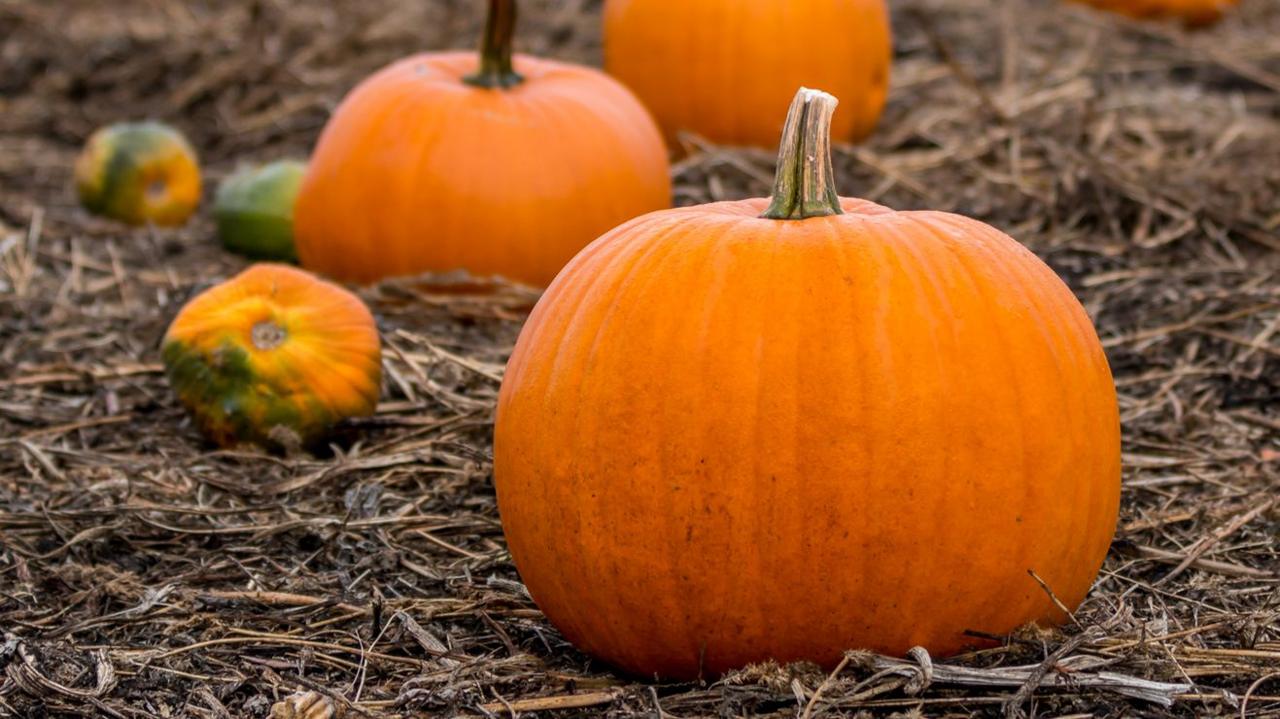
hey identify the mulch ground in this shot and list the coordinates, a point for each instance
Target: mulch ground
(145, 574)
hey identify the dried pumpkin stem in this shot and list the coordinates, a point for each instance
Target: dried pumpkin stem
(496, 70)
(804, 185)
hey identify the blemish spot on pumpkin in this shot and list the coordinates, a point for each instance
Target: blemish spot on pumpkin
(880, 76)
(267, 335)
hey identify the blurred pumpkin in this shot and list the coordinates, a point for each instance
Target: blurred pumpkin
(752, 430)
(1193, 13)
(502, 166)
(139, 172)
(273, 356)
(254, 210)
(726, 69)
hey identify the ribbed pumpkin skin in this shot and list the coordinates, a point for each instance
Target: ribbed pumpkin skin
(726, 69)
(1194, 13)
(418, 171)
(243, 387)
(722, 439)
(138, 173)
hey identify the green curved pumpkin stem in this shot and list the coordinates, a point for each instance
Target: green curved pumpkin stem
(496, 70)
(805, 184)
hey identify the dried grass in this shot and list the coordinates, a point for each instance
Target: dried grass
(144, 575)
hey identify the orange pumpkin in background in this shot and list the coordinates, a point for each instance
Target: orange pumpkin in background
(751, 430)
(726, 69)
(1193, 13)
(499, 165)
(274, 357)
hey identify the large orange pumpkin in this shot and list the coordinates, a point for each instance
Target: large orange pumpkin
(752, 430)
(273, 356)
(726, 69)
(1193, 13)
(499, 166)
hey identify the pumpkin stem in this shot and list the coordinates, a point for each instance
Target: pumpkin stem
(805, 185)
(496, 70)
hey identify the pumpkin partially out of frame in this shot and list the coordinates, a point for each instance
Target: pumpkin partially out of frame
(1193, 13)
(726, 69)
(273, 357)
(497, 165)
(782, 430)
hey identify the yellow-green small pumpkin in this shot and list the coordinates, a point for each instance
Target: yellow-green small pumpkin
(254, 210)
(139, 173)
(274, 356)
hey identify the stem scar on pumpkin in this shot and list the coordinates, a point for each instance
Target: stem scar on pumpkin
(267, 335)
(805, 185)
(157, 189)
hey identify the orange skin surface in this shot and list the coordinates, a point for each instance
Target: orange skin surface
(722, 439)
(418, 171)
(274, 348)
(1194, 13)
(726, 69)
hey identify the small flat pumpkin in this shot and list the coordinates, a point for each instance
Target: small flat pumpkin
(274, 357)
(139, 173)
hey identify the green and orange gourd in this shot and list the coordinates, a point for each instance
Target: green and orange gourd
(139, 173)
(726, 69)
(273, 357)
(254, 210)
(782, 429)
(502, 165)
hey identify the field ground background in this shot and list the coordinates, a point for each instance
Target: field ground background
(143, 574)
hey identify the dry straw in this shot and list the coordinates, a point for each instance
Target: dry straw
(143, 575)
